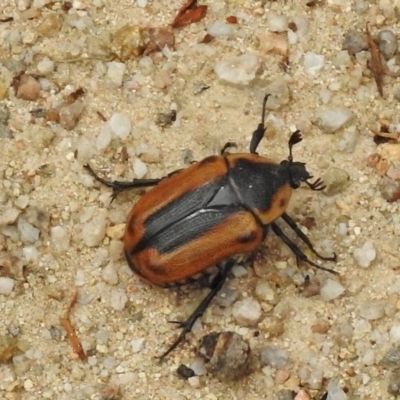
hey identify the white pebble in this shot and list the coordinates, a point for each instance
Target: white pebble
(368, 358)
(264, 291)
(29, 234)
(332, 119)
(394, 333)
(139, 168)
(194, 381)
(238, 271)
(277, 23)
(365, 255)
(22, 201)
(198, 366)
(372, 310)
(331, 290)
(9, 216)
(104, 137)
(335, 392)
(247, 312)
(239, 70)
(109, 274)
(120, 125)
(60, 238)
(45, 66)
(30, 253)
(93, 232)
(141, 3)
(6, 285)
(137, 344)
(313, 63)
(115, 72)
(118, 299)
(220, 28)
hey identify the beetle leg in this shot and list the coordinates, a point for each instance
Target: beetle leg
(304, 238)
(297, 252)
(187, 325)
(258, 134)
(226, 147)
(120, 186)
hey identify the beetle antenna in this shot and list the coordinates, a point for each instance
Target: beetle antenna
(294, 139)
(258, 134)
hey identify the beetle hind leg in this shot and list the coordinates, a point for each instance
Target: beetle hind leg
(297, 252)
(187, 325)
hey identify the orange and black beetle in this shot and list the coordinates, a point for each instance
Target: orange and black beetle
(209, 213)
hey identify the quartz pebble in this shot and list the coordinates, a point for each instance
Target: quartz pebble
(116, 72)
(28, 88)
(118, 299)
(6, 285)
(70, 114)
(93, 232)
(313, 63)
(336, 180)
(120, 125)
(387, 43)
(394, 333)
(198, 366)
(29, 234)
(372, 310)
(331, 290)
(60, 238)
(239, 70)
(335, 392)
(277, 23)
(365, 255)
(139, 168)
(355, 42)
(9, 216)
(109, 274)
(332, 119)
(221, 28)
(274, 357)
(247, 312)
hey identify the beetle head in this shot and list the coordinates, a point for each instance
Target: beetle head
(297, 170)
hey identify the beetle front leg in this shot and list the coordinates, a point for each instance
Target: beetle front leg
(187, 325)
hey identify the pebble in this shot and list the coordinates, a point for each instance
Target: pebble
(220, 29)
(387, 43)
(279, 94)
(22, 201)
(264, 291)
(6, 285)
(226, 297)
(239, 70)
(365, 255)
(313, 63)
(331, 290)
(60, 238)
(335, 392)
(274, 357)
(394, 333)
(139, 168)
(28, 88)
(116, 231)
(349, 139)
(355, 42)
(109, 274)
(336, 180)
(29, 234)
(118, 299)
(274, 43)
(103, 138)
(391, 359)
(198, 366)
(115, 72)
(120, 124)
(247, 312)
(277, 23)
(302, 395)
(332, 119)
(70, 114)
(9, 216)
(45, 66)
(93, 232)
(372, 310)
(137, 344)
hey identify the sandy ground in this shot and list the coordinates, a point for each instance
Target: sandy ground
(122, 322)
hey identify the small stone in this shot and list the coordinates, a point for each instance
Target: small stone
(277, 23)
(120, 125)
(372, 310)
(302, 395)
(127, 42)
(336, 181)
(28, 385)
(264, 291)
(50, 25)
(198, 366)
(115, 72)
(390, 189)
(104, 137)
(247, 312)
(387, 43)
(355, 42)
(273, 43)
(274, 357)
(331, 120)
(313, 63)
(162, 79)
(6, 285)
(22, 201)
(70, 114)
(194, 381)
(239, 70)
(139, 168)
(220, 29)
(60, 238)
(349, 139)
(331, 290)
(29, 234)
(118, 300)
(93, 232)
(137, 344)
(116, 231)
(238, 271)
(28, 88)
(394, 333)
(282, 376)
(391, 359)
(365, 255)
(45, 66)
(335, 392)
(9, 216)
(226, 297)
(279, 94)
(109, 274)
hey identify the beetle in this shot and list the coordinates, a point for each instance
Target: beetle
(209, 214)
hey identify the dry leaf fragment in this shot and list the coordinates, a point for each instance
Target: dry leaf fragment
(376, 65)
(189, 13)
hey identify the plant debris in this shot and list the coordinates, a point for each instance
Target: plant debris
(189, 13)
(376, 65)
